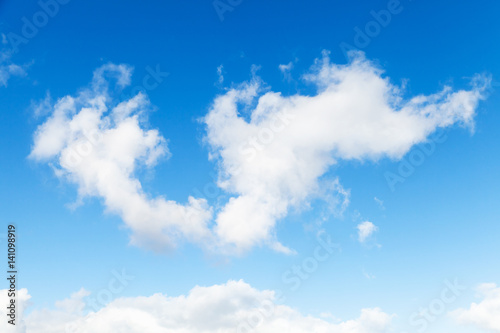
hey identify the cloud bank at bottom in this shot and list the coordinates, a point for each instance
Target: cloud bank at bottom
(231, 307)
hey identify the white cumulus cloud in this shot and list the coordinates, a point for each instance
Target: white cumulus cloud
(98, 146)
(485, 314)
(227, 308)
(272, 151)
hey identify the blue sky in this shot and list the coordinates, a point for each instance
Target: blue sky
(440, 223)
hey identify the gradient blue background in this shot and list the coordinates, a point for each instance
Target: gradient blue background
(442, 222)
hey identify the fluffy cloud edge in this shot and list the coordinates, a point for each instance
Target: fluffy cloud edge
(484, 314)
(234, 306)
(365, 230)
(356, 113)
(273, 150)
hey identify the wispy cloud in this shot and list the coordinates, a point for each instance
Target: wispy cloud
(220, 74)
(380, 203)
(42, 107)
(286, 70)
(8, 69)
